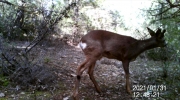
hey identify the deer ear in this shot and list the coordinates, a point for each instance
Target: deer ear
(161, 35)
(163, 31)
(151, 32)
(158, 32)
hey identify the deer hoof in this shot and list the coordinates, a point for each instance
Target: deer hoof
(99, 90)
(129, 92)
(75, 97)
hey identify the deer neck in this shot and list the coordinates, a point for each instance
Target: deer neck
(144, 45)
(141, 46)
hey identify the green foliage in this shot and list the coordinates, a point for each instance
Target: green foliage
(162, 15)
(165, 14)
(116, 20)
(4, 81)
(47, 60)
(171, 80)
(162, 54)
(21, 20)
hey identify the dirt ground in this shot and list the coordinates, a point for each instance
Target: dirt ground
(65, 58)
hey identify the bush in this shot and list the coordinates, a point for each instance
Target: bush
(35, 78)
(162, 54)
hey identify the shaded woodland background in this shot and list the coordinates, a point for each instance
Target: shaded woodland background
(32, 30)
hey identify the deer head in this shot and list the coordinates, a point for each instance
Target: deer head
(158, 36)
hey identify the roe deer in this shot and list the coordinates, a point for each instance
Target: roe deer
(100, 43)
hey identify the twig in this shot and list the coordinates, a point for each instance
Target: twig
(48, 29)
(7, 59)
(6, 2)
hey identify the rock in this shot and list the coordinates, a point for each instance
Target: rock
(118, 64)
(114, 74)
(2, 95)
(18, 87)
(66, 98)
(74, 75)
(22, 93)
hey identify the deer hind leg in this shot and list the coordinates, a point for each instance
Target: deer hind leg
(90, 72)
(86, 64)
(126, 69)
(78, 77)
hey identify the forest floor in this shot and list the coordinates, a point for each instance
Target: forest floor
(108, 73)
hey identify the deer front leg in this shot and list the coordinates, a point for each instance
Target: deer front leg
(126, 69)
(128, 84)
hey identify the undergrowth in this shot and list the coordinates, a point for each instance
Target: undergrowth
(162, 73)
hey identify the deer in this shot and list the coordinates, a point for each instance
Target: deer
(101, 43)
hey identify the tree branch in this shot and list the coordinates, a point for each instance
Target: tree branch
(3, 55)
(172, 5)
(6, 2)
(42, 34)
(166, 7)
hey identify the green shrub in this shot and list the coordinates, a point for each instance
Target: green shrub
(162, 54)
(4, 81)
